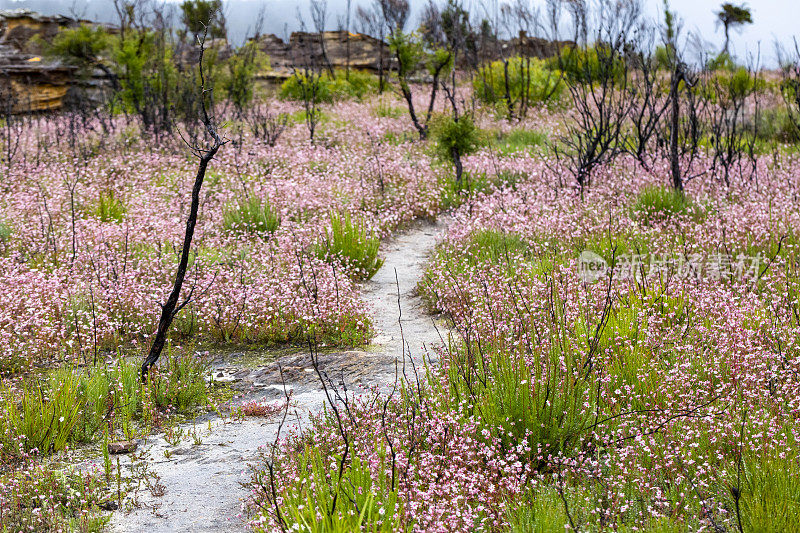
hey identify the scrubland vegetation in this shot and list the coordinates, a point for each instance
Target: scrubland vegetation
(620, 275)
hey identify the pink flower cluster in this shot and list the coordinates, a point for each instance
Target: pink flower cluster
(95, 228)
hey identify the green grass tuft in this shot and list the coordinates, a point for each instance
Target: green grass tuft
(350, 244)
(520, 141)
(109, 208)
(252, 216)
(656, 204)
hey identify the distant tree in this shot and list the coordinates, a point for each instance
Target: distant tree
(412, 57)
(195, 14)
(381, 19)
(732, 16)
(319, 17)
(85, 47)
(243, 66)
(790, 85)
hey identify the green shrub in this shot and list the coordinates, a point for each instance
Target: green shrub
(725, 87)
(722, 62)
(449, 134)
(355, 86)
(252, 216)
(178, 382)
(454, 193)
(588, 65)
(655, 203)
(243, 66)
(775, 124)
(81, 46)
(42, 416)
(662, 58)
(528, 78)
(349, 244)
(109, 208)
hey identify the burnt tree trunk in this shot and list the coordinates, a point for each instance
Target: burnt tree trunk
(674, 153)
(171, 307)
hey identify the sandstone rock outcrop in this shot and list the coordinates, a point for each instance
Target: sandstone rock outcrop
(28, 82)
(305, 48)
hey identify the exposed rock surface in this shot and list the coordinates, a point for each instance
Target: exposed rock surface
(28, 82)
(524, 45)
(123, 446)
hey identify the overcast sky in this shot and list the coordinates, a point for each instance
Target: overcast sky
(773, 19)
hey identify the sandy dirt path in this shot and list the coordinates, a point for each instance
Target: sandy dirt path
(200, 485)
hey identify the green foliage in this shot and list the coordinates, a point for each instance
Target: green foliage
(42, 416)
(663, 58)
(535, 398)
(731, 16)
(413, 55)
(243, 66)
(363, 502)
(109, 208)
(540, 511)
(722, 62)
(82, 46)
(196, 15)
(741, 83)
(776, 124)
(588, 65)
(253, 216)
(520, 140)
(497, 247)
(451, 135)
(396, 139)
(144, 66)
(72, 405)
(349, 244)
(179, 383)
(654, 203)
(524, 79)
(300, 116)
(454, 193)
(770, 494)
(355, 87)
(408, 50)
(386, 110)
(5, 232)
(440, 60)
(726, 87)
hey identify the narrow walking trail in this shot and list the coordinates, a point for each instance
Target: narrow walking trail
(197, 484)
